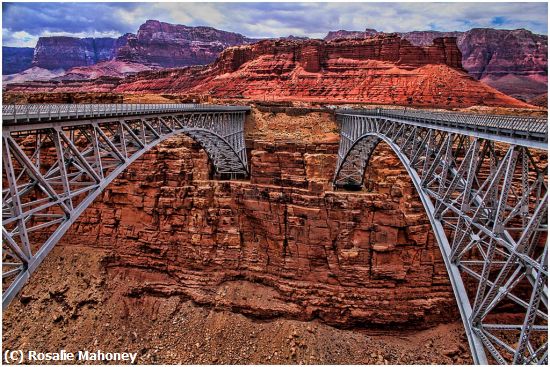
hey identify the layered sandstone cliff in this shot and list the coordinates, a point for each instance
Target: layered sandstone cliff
(384, 69)
(515, 62)
(281, 244)
(170, 45)
(67, 52)
(166, 262)
(343, 34)
(156, 44)
(512, 61)
(182, 269)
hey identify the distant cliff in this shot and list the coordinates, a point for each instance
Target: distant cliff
(512, 61)
(382, 69)
(16, 59)
(173, 45)
(67, 52)
(343, 34)
(155, 44)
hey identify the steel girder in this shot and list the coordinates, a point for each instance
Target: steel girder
(56, 111)
(52, 171)
(487, 203)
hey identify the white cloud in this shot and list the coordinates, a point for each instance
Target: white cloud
(18, 39)
(95, 34)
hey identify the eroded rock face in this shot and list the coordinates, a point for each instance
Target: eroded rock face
(512, 61)
(156, 44)
(384, 69)
(279, 245)
(67, 52)
(171, 45)
(16, 59)
(343, 34)
(515, 62)
(491, 51)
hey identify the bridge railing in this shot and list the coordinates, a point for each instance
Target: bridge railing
(536, 127)
(53, 111)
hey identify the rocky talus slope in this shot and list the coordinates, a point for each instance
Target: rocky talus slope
(280, 247)
(104, 70)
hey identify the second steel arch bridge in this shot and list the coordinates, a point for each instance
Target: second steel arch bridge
(483, 181)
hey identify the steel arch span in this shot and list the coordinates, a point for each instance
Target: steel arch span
(483, 183)
(58, 158)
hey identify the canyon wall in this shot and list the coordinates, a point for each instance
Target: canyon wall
(279, 245)
(16, 59)
(512, 61)
(172, 45)
(515, 62)
(156, 44)
(383, 69)
(315, 55)
(67, 52)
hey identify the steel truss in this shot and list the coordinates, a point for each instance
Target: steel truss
(486, 198)
(53, 168)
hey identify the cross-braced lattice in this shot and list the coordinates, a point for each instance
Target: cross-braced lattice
(58, 158)
(483, 182)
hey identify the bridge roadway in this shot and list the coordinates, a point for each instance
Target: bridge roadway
(483, 182)
(29, 113)
(58, 158)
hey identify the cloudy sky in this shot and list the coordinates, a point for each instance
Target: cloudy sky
(23, 23)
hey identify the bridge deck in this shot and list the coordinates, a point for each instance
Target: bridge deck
(530, 132)
(30, 113)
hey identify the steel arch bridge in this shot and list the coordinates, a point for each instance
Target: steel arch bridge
(483, 182)
(58, 158)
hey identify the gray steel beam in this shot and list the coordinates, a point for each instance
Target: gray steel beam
(93, 145)
(471, 196)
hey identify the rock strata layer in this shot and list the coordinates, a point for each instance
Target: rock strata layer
(68, 52)
(280, 245)
(171, 45)
(383, 69)
(512, 61)
(156, 44)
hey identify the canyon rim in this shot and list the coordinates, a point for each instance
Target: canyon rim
(216, 183)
